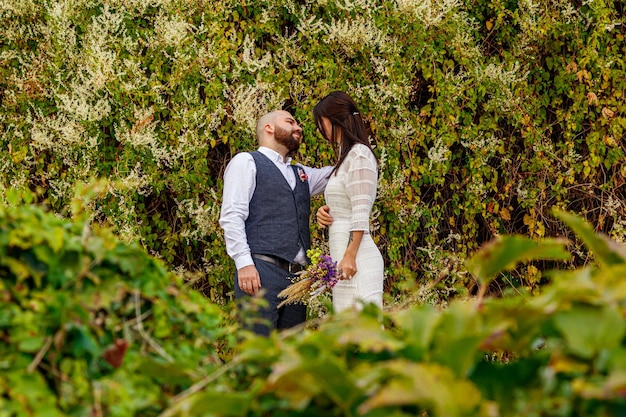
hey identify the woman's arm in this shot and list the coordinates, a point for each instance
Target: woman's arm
(347, 265)
(361, 184)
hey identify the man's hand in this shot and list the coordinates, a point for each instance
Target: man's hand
(249, 280)
(323, 216)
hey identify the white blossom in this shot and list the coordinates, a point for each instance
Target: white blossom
(171, 29)
(310, 25)
(142, 133)
(352, 35)
(248, 102)
(385, 97)
(429, 12)
(136, 181)
(204, 216)
(249, 58)
(438, 153)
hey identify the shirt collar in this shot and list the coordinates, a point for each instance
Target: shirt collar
(273, 155)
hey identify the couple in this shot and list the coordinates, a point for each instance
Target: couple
(266, 208)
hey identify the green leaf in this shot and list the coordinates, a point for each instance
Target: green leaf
(163, 371)
(56, 238)
(362, 329)
(589, 329)
(499, 381)
(44, 254)
(506, 252)
(80, 341)
(458, 337)
(429, 386)
(299, 379)
(30, 344)
(33, 393)
(17, 269)
(211, 403)
(418, 326)
(607, 251)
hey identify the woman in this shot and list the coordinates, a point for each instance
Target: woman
(349, 195)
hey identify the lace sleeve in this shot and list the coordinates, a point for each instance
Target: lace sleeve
(361, 185)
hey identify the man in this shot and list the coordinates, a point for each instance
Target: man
(265, 217)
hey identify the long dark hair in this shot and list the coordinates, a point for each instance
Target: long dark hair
(342, 113)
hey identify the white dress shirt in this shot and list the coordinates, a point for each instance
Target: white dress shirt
(239, 186)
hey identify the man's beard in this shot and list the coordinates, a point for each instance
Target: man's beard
(286, 138)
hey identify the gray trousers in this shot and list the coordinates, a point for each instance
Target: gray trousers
(266, 319)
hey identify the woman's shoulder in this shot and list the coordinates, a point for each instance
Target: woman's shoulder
(360, 150)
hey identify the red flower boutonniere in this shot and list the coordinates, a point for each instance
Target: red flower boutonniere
(302, 174)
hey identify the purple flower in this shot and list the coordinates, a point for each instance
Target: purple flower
(321, 275)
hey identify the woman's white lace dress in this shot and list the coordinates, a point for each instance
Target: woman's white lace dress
(350, 195)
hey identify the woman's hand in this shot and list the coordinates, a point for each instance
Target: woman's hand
(347, 266)
(323, 216)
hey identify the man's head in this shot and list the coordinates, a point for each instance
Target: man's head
(279, 131)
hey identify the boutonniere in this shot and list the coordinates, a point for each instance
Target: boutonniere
(302, 174)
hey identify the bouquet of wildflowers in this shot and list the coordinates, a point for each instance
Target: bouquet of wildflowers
(321, 274)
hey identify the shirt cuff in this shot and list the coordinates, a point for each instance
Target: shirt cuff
(242, 261)
(359, 226)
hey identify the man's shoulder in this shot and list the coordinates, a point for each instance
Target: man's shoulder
(242, 156)
(241, 160)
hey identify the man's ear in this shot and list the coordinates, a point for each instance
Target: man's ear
(269, 128)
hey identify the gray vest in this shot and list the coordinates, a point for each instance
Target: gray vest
(278, 220)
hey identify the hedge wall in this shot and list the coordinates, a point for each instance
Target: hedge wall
(486, 115)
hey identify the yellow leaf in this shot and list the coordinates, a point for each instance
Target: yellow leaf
(541, 229)
(489, 24)
(609, 140)
(505, 214)
(20, 154)
(529, 221)
(56, 239)
(582, 75)
(563, 364)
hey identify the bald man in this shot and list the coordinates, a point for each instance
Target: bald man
(265, 217)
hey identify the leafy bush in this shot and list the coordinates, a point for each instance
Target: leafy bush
(93, 326)
(559, 353)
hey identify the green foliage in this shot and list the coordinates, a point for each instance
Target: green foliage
(559, 353)
(93, 326)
